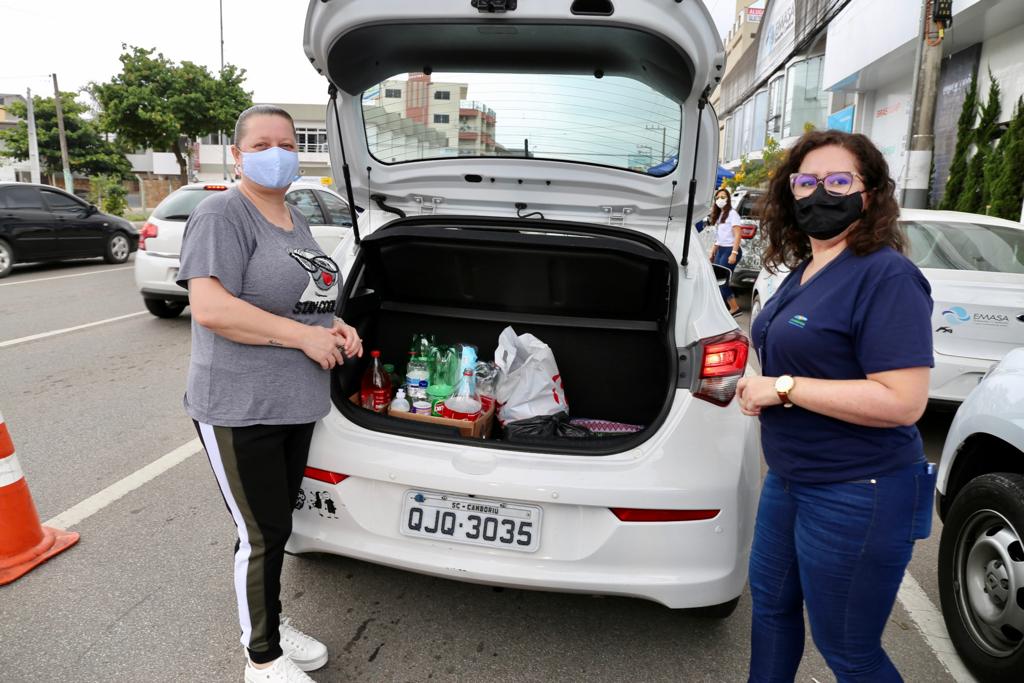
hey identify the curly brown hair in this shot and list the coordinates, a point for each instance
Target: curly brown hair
(879, 227)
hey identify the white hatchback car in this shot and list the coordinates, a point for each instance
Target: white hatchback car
(157, 261)
(975, 265)
(500, 147)
(980, 499)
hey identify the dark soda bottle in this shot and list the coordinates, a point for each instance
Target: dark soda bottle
(375, 393)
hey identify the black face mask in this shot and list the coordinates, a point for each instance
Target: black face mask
(823, 216)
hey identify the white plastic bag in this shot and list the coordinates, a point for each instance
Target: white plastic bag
(529, 383)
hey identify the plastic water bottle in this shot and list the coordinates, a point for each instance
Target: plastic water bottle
(375, 393)
(400, 404)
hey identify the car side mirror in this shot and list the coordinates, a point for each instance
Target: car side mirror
(722, 274)
(91, 209)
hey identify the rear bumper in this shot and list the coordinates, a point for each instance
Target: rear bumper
(584, 548)
(953, 378)
(155, 277)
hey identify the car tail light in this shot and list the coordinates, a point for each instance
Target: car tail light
(325, 476)
(748, 230)
(722, 364)
(215, 188)
(645, 515)
(148, 230)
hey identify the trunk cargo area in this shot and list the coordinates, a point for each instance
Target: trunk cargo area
(602, 298)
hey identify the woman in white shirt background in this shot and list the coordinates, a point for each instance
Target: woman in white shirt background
(726, 251)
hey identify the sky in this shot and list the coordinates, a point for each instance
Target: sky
(81, 41)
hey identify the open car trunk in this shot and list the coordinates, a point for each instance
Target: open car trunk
(602, 298)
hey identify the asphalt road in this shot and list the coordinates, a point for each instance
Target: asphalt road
(146, 594)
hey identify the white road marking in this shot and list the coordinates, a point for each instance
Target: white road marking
(118, 490)
(52, 333)
(61, 277)
(929, 622)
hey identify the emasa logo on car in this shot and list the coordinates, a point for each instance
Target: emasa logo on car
(957, 315)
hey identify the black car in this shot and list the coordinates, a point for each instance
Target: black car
(42, 223)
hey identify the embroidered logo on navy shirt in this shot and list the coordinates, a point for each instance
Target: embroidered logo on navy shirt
(798, 321)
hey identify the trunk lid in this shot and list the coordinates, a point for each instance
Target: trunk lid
(546, 108)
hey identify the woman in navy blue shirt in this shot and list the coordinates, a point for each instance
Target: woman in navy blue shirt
(845, 349)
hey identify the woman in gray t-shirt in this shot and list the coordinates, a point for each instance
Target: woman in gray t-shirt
(264, 339)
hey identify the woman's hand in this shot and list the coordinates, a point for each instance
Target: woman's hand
(351, 344)
(711, 256)
(732, 259)
(755, 393)
(321, 345)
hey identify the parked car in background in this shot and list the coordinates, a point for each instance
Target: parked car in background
(156, 266)
(975, 265)
(43, 223)
(744, 200)
(980, 498)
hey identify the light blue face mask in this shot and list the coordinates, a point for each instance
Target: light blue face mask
(273, 167)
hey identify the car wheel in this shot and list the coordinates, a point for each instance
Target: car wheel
(118, 248)
(981, 576)
(6, 259)
(164, 309)
(720, 611)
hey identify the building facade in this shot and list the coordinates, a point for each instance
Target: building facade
(850, 65)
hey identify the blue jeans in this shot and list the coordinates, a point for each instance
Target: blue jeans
(841, 549)
(722, 255)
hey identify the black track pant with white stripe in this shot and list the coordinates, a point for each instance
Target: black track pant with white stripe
(259, 470)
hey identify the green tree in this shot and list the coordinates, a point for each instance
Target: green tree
(1008, 188)
(758, 172)
(155, 103)
(109, 194)
(89, 153)
(972, 198)
(964, 136)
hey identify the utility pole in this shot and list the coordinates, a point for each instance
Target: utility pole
(68, 183)
(664, 131)
(33, 141)
(922, 137)
(220, 134)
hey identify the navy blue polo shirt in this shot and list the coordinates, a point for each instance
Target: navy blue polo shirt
(856, 316)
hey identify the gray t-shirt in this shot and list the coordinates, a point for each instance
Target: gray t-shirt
(283, 272)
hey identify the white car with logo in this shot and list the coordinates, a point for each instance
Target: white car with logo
(975, 265)
(158, 258)
(980, 498)
(517, 216)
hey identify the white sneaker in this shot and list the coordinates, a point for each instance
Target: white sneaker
(308, 653)
(283, 670)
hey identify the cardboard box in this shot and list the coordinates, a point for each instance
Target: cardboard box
(471, 429)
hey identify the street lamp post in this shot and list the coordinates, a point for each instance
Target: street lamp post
(664, 132)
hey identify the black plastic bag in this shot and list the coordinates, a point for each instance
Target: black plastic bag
(555, 426)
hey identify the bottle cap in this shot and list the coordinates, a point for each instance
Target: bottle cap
(375, 354)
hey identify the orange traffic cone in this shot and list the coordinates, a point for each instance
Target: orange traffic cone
(24, 542)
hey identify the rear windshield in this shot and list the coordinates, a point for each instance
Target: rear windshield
(609, 121)
(966, 246)
(178, 206)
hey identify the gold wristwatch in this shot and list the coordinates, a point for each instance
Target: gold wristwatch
(783, 385)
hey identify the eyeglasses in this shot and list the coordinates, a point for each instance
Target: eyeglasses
(836, 183)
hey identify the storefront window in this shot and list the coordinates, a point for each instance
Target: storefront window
(730, 131)
(737, 138)
(806, 103)
(760, 120)
(748, 126)
(775, 105)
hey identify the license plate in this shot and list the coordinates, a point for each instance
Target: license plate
(460, 519)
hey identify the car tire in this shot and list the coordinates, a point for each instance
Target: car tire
(164, 309)
(720, 611)
(118, 248)
(981, 576)
(6, 259)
